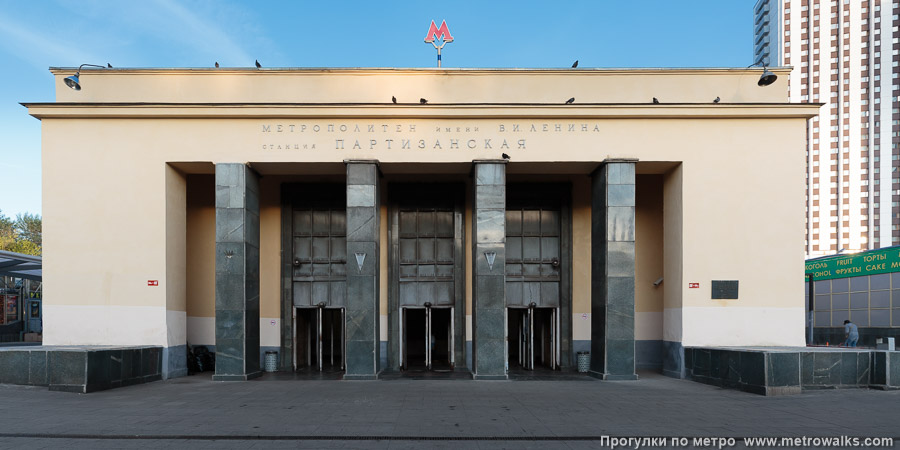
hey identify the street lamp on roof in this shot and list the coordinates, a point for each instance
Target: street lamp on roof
(73, 82)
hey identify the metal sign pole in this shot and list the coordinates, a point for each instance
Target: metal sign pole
(438, 48)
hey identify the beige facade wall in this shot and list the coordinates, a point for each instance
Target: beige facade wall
(200, 253)
(581, 258)
(176, 287)
(673, 250)
(648, 257)
(728, 178)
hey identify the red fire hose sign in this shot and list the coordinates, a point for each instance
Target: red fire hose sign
(152, 282)
(693, 285)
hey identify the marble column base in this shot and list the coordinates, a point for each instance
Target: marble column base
(240, 377)
(365, 377)
(490, 377)
(612, 377)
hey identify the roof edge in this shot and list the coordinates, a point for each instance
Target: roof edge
(421, 70)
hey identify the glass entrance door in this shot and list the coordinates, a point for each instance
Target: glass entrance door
(427, 339)
(533, 338)
(440, 328)
(319, 339)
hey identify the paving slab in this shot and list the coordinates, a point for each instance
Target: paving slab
(278, 412)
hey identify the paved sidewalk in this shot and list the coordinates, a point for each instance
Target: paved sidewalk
(195, 412)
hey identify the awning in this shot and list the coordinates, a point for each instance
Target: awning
(19, 265)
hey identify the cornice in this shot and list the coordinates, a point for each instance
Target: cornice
(414, 111)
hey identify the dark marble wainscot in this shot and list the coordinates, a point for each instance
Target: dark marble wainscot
(789, 370)
(80, 369)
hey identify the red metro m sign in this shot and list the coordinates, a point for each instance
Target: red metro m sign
(441, 34)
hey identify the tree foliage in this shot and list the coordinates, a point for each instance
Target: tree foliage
(22, 235)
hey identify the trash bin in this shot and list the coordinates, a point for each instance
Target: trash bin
(271, 361)
(584, 361)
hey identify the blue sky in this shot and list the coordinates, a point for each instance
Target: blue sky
(35, 35)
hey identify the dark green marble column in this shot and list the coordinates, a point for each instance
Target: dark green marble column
(363, 257)
(489, 254)
(237, 273)
(612, 271)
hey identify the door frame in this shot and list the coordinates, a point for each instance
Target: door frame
(450, 194)
(404, 364)
(307, 194)
(319, 317)
(561, 194)
(527, 360)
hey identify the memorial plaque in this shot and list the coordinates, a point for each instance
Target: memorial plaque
(724, 289)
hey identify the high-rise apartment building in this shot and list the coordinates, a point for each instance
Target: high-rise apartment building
(844, 54)
(766, 33)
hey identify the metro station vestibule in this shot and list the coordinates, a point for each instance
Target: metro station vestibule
(302, 211)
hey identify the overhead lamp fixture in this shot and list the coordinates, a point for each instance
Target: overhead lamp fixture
(72, 81)
(766, 78)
